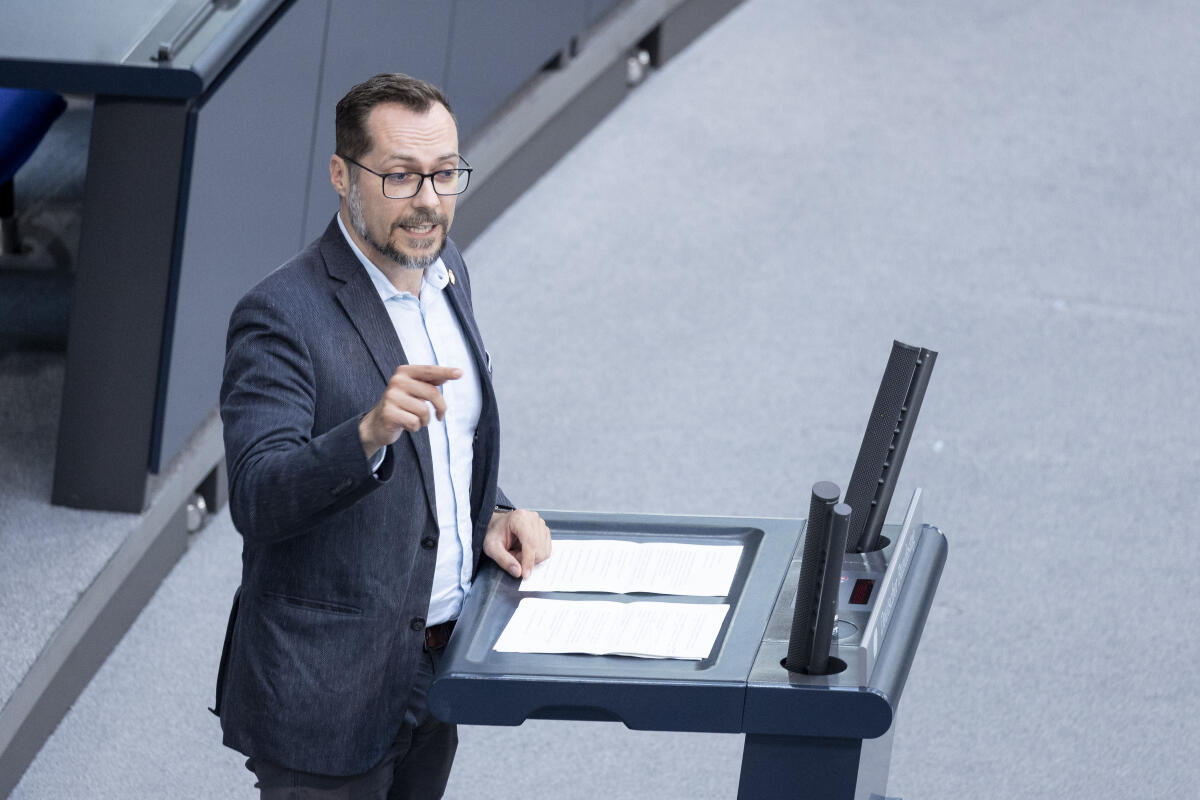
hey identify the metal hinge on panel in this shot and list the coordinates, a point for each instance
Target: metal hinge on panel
(176, 28)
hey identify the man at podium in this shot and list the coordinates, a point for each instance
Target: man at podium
(362, 442)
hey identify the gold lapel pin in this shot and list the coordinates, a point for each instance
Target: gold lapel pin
(450, 272)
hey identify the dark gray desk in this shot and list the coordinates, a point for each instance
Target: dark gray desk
(126, 279)
(209, 168)
(93, 47)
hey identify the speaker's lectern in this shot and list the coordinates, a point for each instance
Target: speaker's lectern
(814, 693)
(807, 736)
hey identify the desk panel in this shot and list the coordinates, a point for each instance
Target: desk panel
(250, 139)
(93, 47)
(83, 31)
(492, 54)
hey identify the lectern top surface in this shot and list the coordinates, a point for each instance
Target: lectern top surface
(521, 685)
(767, 547)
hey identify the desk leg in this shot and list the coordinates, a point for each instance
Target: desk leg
(814, 768)
(120, 303)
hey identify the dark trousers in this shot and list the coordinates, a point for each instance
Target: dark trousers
(416, 766)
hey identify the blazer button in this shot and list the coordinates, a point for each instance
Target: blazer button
(417, 624)
(429, 543)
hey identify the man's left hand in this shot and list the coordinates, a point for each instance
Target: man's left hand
(517, 540)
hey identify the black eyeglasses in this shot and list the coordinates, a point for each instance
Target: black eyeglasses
(402, 185)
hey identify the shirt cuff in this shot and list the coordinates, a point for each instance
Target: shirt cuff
(377, 460)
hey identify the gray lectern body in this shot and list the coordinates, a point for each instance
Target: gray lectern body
(807, 736)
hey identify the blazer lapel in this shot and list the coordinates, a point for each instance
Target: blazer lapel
(461, 303)
(361, 302)
(466, 322)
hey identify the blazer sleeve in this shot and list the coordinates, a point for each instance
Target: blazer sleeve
(282, 479)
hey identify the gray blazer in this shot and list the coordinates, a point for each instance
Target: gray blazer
(337, 565)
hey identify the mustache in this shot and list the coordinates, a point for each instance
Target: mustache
(422, 218)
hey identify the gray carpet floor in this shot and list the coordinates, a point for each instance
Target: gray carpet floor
(50, 554)
(691, 313)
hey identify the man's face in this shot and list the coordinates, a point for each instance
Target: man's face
(410, 232)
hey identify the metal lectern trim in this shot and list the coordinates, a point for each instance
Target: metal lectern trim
(778, 702)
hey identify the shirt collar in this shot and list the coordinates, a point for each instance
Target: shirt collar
(436, 275)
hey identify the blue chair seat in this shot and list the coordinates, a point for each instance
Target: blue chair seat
(25, 116)
(34, 303)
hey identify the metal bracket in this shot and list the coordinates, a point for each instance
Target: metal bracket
(176, 28)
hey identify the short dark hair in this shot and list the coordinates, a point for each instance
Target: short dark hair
(350, 123)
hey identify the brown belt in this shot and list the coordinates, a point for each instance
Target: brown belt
(436, 636)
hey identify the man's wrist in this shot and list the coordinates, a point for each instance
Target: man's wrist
(370, 447)
(363, 438)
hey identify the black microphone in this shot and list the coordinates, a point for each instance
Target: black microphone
(885, 442)
(814, 613)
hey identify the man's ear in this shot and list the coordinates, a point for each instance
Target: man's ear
(339, 176)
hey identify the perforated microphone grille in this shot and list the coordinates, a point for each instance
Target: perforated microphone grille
(816, 533)
(877, 454)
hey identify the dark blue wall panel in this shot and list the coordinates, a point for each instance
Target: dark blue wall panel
(496, 47)
(595, 9)
(245, 205)
(365, 38)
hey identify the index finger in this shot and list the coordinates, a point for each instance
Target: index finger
(528, 560)
(535, 541)
(430, 373)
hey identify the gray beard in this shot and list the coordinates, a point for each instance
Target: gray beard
(387, 249)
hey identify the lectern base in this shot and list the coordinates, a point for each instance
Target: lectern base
(814, 768)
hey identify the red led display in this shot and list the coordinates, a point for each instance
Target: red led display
(861, 593)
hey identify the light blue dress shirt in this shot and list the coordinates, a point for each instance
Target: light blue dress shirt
(430, 334)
